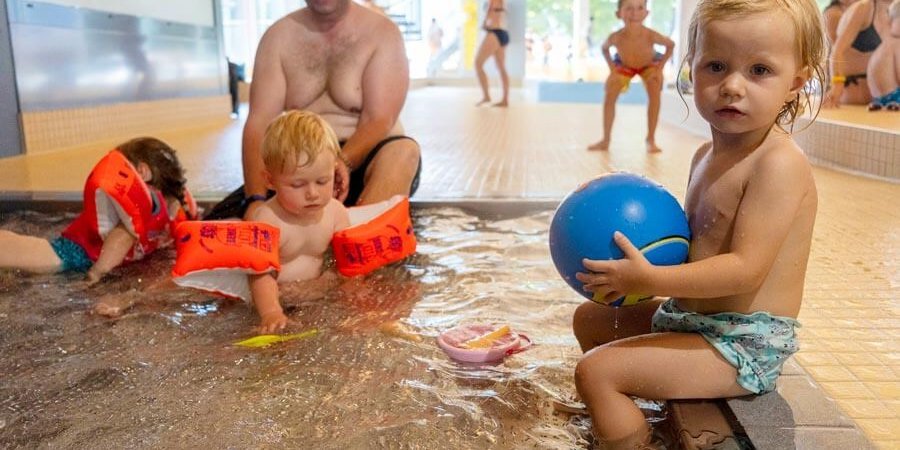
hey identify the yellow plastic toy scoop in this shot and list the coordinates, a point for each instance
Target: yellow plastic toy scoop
(485, 340)
(265, 340)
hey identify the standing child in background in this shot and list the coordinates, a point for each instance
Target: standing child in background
(635, 55)
(751, 204)
(132, 197)
(883, 73)
(299, 151)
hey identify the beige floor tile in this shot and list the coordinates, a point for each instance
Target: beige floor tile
(836, 345)
(894, 405)
(887, 445)
(873, 373)
(847, 390)
(831, 373)
(878, 346)
(885, 390)
(865, 409)
(807, 359)
(880, 429)
(859, 359)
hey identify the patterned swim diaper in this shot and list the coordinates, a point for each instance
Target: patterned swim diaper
(757, 344)
(73, 257)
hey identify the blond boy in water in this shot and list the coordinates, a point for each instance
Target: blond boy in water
(299, 152)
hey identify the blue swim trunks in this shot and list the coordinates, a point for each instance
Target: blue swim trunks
(757, 344)
(73, 257)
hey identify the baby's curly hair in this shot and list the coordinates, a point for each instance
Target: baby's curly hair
(168, 175)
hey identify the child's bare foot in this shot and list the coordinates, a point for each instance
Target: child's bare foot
(601, 145)
(652, 148)
(483, 101)
(502, 104)
(113, 306)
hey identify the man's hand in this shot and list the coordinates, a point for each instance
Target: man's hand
(611, 279)
(272, 322)
(341, 180)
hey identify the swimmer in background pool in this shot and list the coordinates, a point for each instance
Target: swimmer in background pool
(494, 44)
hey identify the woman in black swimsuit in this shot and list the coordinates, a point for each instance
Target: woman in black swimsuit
(832, 15)
(494, 44)
(858, 35)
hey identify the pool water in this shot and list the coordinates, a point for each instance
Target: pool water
(167, 375)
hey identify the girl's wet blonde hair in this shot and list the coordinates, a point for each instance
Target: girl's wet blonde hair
(297, 133)
(804, 14)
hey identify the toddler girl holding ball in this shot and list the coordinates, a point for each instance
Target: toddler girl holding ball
(751, 203)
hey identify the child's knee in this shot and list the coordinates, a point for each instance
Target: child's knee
(653, 84)
(594, 370)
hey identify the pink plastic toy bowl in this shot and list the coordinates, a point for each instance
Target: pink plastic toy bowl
(450, 342)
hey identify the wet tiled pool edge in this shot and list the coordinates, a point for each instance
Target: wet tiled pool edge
(798, 415)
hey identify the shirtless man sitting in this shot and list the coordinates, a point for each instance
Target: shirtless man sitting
(347, 64)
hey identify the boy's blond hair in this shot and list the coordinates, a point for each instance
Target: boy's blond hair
(297, 133)
(804, 14)
(619, 5)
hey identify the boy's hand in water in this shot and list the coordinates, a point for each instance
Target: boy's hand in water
(272, 322)
(611, 279)
(93, 276)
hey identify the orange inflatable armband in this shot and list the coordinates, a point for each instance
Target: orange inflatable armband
(379, 234)
(217, 256)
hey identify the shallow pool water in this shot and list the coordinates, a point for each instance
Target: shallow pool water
(167, 375)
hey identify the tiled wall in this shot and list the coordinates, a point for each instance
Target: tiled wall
(67, 128)
(839, 144)
(866, 150)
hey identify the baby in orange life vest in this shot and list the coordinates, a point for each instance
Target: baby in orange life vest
(299, 151)
(132, 199)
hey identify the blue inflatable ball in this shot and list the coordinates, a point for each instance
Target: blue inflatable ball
(641, 209)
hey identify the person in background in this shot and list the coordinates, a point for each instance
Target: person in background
(832, 16)
(883, 73)
(635, 55)
(494, 45)
(859, 33)
(340, 60)
(235, 75)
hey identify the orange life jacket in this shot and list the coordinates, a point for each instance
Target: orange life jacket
(379, 234)
(114, 192)
(217, 256)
